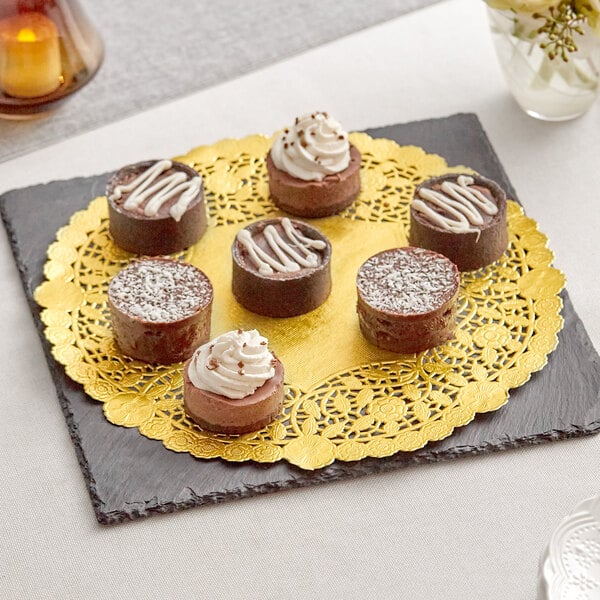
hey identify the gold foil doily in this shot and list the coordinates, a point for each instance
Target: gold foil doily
(346, 399)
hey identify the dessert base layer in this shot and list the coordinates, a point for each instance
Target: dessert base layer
(162, 343)
(407, 334)
(154, 237)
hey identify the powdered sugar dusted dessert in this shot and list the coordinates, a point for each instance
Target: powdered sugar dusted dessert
(156, 207)
(407, 299)
(233, 384)
(313, 169)
(160, 309)
(462, 217)
(281, 267)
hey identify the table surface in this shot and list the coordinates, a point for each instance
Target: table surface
(193, 45)
(470, 528)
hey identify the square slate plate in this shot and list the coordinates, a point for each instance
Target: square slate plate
(130, 476)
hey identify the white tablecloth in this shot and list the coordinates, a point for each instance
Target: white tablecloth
(470, 528)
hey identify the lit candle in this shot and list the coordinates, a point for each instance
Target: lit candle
(29, 56)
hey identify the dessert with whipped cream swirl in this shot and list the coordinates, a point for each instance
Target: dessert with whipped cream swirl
(314, 171)
(281, 267)
(233, 384)
(462, 217)
(156, 207)
(160, 309)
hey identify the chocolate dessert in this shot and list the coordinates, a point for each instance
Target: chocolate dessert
(160, 309)
(281, 267)
(156, 207)
(462, 217)
(233, 385)
(313, 169)
(407, 299)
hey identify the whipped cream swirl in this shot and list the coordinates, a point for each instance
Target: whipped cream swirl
(313, 147)
(233, 365)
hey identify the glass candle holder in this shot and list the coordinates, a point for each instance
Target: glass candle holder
(48, 50)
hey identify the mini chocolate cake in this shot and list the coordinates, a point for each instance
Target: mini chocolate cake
(313, 170)
(462, 217)
(233, 385)
(160, 309)
(156, 207)
(407, 299)
(281, 267)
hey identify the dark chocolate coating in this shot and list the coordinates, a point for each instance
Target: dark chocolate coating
(407, 332)
(154, 236)
(281, 294)
(161, 342)
(471, 250)
(311, 199)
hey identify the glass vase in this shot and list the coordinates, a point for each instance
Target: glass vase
(550, 89)
(48, 50)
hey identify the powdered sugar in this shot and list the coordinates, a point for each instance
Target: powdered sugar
(159, 290)
(407, 281)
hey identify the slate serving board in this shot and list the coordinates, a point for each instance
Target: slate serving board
(130, 476)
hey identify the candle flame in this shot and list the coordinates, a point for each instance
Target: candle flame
(26, 35)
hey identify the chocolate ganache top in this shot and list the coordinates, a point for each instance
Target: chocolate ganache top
(460, 206)
(281, 248)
